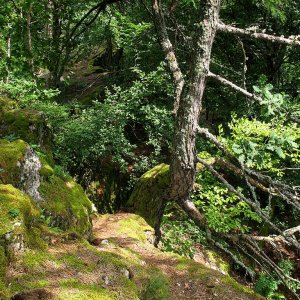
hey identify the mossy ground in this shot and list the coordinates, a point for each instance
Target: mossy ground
(77, 270)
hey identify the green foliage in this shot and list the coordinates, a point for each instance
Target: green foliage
(264, 145)
(157, 288)
(14, 212)
(26, 91)
(60, 172)
(267, 284)
(180, 235)
(106, 130)
(223, 209)
(55, 114)
(271, 102)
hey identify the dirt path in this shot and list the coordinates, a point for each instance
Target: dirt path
(186, 282)
(120, 264)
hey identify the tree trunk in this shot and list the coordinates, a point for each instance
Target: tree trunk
(8, 58)
(184, 156)
(29, 40)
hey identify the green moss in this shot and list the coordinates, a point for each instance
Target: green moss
(157, 287)
(78, 263)
(73, 289)
(145, 199)
(134, 227)
(11, 153)
(241, 289)
(6, 103)
(26, 213)
(3, 263)
(26, 124)
(34, 239)
(46, 170)
(194, 269)
(33, 260)
(208, 276)
(66, 204)
(218, 261)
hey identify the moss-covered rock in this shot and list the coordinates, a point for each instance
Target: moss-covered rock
(63, 201)
(145, 199)
(66, 204)
(18, 215)
(11, 156)
(26, 124)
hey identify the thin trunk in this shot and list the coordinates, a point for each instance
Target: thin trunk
(55, 51)
(7, 65)
(29, 40)
(167, 47)
(183, 163)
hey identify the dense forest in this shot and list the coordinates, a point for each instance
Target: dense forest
(149, 149)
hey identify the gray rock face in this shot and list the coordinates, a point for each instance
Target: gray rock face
(30, 175)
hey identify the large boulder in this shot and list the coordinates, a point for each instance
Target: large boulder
(145, 199)
(63, 201)
(26, 124)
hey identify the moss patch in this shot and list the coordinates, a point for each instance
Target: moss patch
(11, 153)
(134, 227)
(3, 262)
(145, 199)
(221, 284)
(217, 260)
(17, 211)
(66, 204)
(73, 289)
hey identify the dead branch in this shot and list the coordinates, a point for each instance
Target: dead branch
(167, 47)
(233, 86)
(258, 35)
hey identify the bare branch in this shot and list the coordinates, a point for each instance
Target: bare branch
(258, 35)
(159, 22)
(234, 86)
(98, 8)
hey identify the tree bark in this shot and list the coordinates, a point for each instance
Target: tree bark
(29, 40)
(184, 157)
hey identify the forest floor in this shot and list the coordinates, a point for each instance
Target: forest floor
(121, 263)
